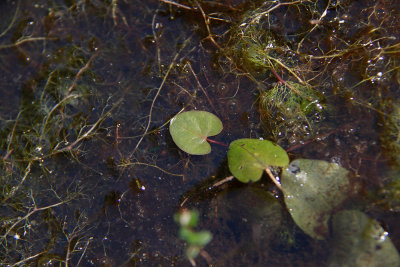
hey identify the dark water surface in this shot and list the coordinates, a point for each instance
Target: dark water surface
(89, 173)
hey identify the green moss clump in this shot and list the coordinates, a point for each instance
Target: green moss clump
(291, 109)
(257, 48)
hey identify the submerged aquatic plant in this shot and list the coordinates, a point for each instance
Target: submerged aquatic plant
(345, 51)
(390, 133)
(291, 109)
(312, 189)
(258, 48)
(196, 240)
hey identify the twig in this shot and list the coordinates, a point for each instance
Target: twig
(69, 95)
(27, 171)
(27, 259)
(207, 23)
(87, 134)
(25, 40)
(202, 88)
(53, 109)
(153, 29)
(286, 68)
(9, 150)
(259, 15)
(157, 94)
(84, 251)
(315, 26)
(12, 21)
(114, 13)
(225, 180)
(176, 4)
(150, 165)
(35, 209)
(81, 71)
(274, 179)
(152, 131)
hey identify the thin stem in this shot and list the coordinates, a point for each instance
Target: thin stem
(216, 142)
(176, 4)
(269, 172)
(225, 180)
(156, 96)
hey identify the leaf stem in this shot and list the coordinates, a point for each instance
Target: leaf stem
(268, 170)
(216, 142)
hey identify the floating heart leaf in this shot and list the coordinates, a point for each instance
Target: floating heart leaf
(312, 189)
(360, 241)
(190, 130)
(248, 158)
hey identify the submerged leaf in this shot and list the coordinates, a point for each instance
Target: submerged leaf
(193, 238)
(190, 130)
(187, 218)
(312, 189)
(361, 241)
(248, 158)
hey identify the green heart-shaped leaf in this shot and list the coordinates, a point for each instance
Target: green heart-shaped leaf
(190, 130)
(312, 190)
(248, 158)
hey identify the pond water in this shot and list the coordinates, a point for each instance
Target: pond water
(90, 175)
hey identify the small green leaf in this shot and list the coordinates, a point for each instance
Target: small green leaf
(187, 218)
(200, 239)
(248, 158)
(360, 241)
(312, 190)
(190, 130)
